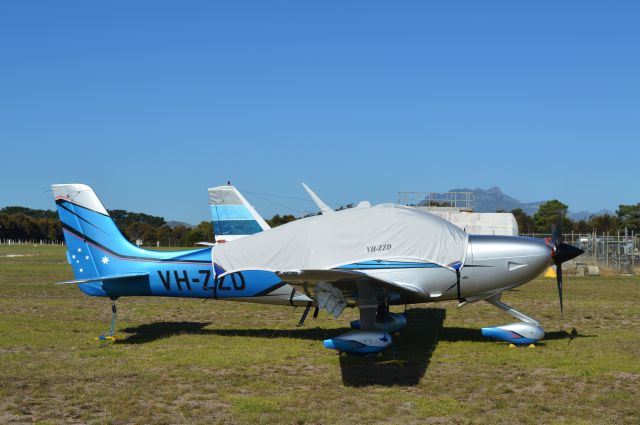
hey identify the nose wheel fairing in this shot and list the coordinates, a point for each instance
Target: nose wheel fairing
(518, 333)
(528, 331)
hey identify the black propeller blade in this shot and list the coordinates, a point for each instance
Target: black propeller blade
(562, 252)
(559, 279)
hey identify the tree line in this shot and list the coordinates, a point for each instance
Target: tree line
(20, 223)
(548, 214)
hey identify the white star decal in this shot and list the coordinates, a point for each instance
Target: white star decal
(73, 256)
(105, 260)
(79, 249)
(81, 270)
(86, 257)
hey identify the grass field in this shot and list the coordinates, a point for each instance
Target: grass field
(185, 361)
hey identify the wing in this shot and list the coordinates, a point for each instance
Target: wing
(334, 290)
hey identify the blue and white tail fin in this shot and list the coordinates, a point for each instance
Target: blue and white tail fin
(97, 250)
(232, 216)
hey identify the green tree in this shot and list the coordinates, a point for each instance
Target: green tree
(29, 212)
(22, 226)
(124, 218)
(143, 231)
(629, 217)
(164, 235)
(604, 223)
(177, 235)
(345, 207)
(548, 214)
(203, 232)
(278, 220)
(524, 220)
(582, 226)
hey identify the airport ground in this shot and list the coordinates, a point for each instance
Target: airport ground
(188, 361)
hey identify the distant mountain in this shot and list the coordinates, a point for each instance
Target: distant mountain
(493, 199)
(583, 215)
(174, 224)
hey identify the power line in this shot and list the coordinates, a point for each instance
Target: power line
(265, 197)
(274, 202)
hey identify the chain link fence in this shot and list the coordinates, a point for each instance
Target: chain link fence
(619, 252)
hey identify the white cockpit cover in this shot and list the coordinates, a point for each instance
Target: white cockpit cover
(384, 232)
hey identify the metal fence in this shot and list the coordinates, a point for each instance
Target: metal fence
(620, 251)
(30, 242)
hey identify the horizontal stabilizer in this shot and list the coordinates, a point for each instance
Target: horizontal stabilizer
(104, 278)
(205, 243)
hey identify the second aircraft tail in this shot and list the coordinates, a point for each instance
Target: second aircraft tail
(232, 216)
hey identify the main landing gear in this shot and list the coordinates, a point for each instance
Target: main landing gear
(371, 334)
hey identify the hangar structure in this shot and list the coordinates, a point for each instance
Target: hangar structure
(457, 208)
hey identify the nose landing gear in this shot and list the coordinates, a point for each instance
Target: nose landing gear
(527, 332)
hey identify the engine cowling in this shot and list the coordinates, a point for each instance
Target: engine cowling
(360, 342)
(518, 333)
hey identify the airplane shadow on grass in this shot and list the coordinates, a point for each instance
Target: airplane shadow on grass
(404, 364)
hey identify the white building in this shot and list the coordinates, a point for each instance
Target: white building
(457, 208)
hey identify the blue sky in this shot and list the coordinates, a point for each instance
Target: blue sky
(153, 102)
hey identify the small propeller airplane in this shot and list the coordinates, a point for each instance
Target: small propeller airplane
(368, 257)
